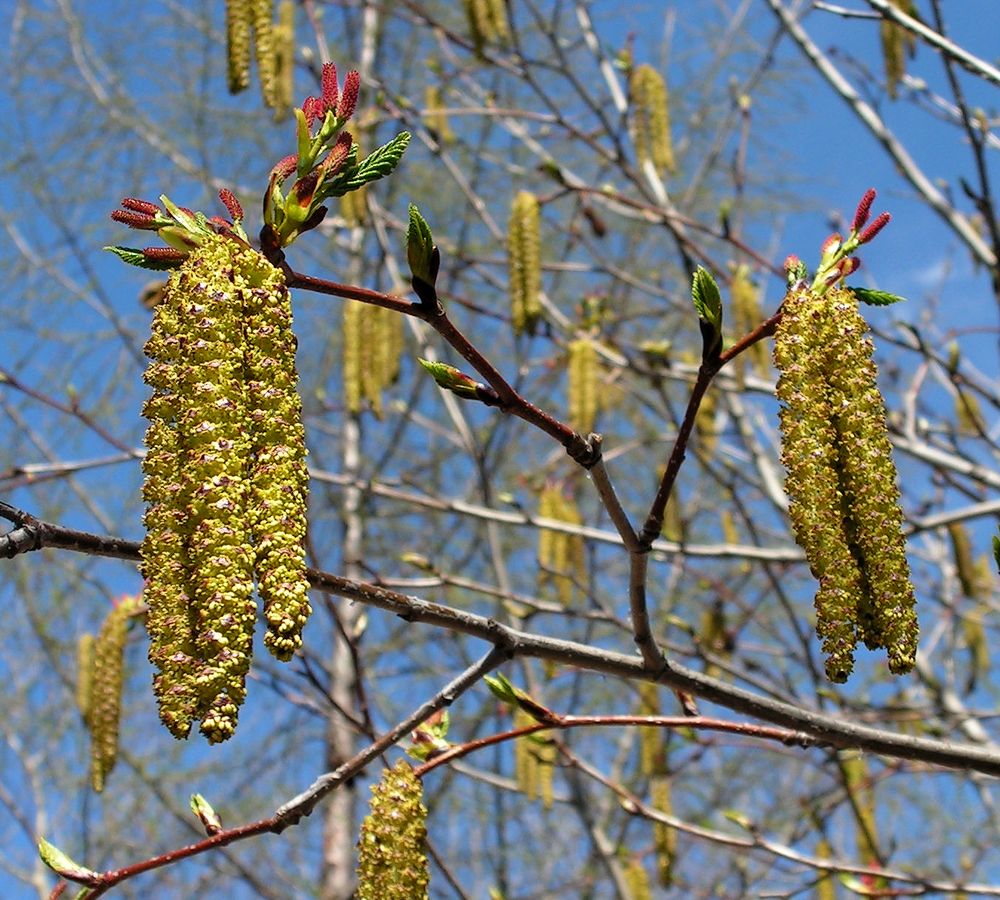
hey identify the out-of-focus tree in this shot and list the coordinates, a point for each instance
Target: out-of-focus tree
(552, 551)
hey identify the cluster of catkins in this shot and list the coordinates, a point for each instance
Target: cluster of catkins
(225, 482)
(844, 501)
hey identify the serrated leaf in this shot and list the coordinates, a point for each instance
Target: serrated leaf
(376, 165)
(137, 258)
(706, 297)
(62, 865)
(876, 298)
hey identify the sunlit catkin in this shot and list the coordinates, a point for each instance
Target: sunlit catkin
(582, 368)
(238, 44)
(392, 855)
(841, 482)
(524, 262)
(897, 42)
(487, 22)
(225, 482)
(104, 704)
(651, 119)
(261, 18)
(747, 315)
(372, 344)
(284, 59)
(664, 837)
(561, 556)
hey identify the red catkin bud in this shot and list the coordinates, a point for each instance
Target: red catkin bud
(313, 108)
(330, 90)
(142, 206)
(233, 206)
(338, 153)
(164, 254)
(135, 219)
(792, 262)
(863, 211)
(349, 98)
(881, 220)
(284, 167)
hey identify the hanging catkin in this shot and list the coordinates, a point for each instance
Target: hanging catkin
(238, 44)
(651, 119)
(225, 482)
(392, 847)
(582, 369)
(561, 556)
(524, 262)
(842, 481)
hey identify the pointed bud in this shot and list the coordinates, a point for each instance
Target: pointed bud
(420, 247)
(451, 379)
(349, 98)
(863, 211)
(881, 220)
(209, 817)
(329, 82)
(62, 865)
(831, 246)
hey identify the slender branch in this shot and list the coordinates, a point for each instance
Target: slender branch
(824, 729)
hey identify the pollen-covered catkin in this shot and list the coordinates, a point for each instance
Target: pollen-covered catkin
(664, 837)
(392, 855)
(262, 19)
(279, 480)
(524, 250)
(561, 556)
(841, 481)
(584, 396)
(651, 119)
(238, 44)
(104, 706)
(225, 482)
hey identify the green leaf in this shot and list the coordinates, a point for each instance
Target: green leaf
(419, 247)
(62, 865)
(501, 688)
(376, 165)
(876, 298)
(303, 143)
(996, 550)
(707, 299)
(137, 258)
(187, 221)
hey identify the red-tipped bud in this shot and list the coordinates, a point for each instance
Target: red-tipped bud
(284, 167)
(221, 225)
(313, 109)
(139, 220)
(792, 263)
(831, 245)
(304, 189)
(329, 82)
(849, 266)
(232, 205)
(863, 211)
(164, 254)
(338, 153)
(141, 206)
(349, 98)
(881, 220)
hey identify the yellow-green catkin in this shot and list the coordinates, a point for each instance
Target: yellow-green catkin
(373, 343)
(841, 482)
(897, 42)
(968, 413)
(104, 705)
(524, 249)
(637, 879)
(262, 20)
(826, 887)
(664, 837)
(487, 22)
(84, 674)
(392, 854)
(652, 750)
(561, 557)
(238, 44)
(284, 59)
(582, 369)
(858, 784)
(225, 482)
(747, 315)
(651, 119)
(435, 115)
(279, 480)
(534, 761)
